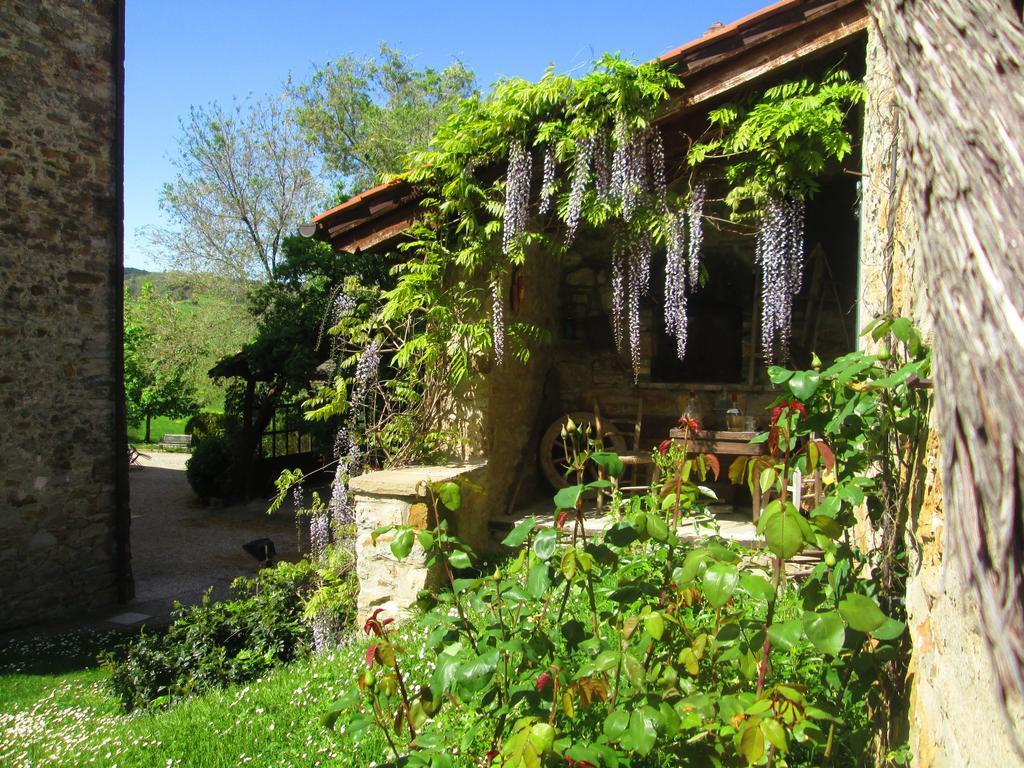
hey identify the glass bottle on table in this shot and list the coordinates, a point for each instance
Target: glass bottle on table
(734, 417)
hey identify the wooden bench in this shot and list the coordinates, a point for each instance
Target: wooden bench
(176, 440)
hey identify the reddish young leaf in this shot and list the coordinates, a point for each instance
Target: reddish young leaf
(826, 454)
(712, 461)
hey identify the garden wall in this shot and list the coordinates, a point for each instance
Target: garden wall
(62, 468)
(954, 714)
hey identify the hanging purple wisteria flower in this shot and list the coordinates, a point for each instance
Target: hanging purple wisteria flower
(675, 279)
(618, 291)
(343, 305)
(498, 320)
(633, 301)
(696, 238)
(366, 374)
(347, 449)
(547, 185)
(517, 194)
(779, 253)
(629, 168)
(656, 159)
(578, 187)
(602, 167)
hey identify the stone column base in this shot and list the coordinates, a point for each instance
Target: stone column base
(397, 497)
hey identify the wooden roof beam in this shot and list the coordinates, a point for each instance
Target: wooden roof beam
(825, 33)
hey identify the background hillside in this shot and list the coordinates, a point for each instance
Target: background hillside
(213, 313)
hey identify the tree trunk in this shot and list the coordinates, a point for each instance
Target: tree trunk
(148, 418)
(960, 78)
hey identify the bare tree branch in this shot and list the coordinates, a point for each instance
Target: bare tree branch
(246, 177)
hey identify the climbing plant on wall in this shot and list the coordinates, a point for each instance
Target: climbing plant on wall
(525, 169)
(601, 163)
(770, 153)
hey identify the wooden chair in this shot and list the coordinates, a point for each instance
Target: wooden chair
(626, 430)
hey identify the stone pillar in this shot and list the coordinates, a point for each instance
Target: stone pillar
(398, 497)
(63, 467)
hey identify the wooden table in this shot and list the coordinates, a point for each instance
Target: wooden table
(725, 443)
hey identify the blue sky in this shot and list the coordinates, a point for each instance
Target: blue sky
(187, 52)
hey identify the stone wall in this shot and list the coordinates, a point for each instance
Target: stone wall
(399, 497)
(954, 716)
(62, 467)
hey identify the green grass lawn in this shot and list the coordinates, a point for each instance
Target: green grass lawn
(55, 711)
(158, 427)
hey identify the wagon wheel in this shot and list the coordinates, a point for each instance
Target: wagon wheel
(552, 449)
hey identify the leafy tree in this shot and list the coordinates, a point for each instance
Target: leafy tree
(284, 358)
(364, 116)
(158, 366)
(246, 177)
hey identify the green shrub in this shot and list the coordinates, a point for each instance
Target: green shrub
(217, 643)
(634, 648)
(205, 425)
(208, 467)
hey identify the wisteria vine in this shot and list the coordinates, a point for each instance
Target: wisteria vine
(696, 234)
(675, 279)
(498, 320)
(780, 255)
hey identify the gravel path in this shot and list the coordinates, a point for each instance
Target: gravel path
(181, 548)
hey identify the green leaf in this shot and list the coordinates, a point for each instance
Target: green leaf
(787, 634)
(543, 736)
(538, 582)
(402, 544)
(889, 630)
(656, 528)
(757, 586)
(861, 612)
(783, 532)
(655, 625)
(803, 384)
(609, 462)
(544, 543)
(520, 533)
(616, 724)
(752, 743)
(606, 660)
(475, 675)
(779, 375)
(775, 733)
(621, 534)
(566, 498)
(634, 670)
(450, 495)
(826, 631)
(330, 717)
(418, 715)
(691, 567)
(459, 559)
(720, 582)
(643, 731)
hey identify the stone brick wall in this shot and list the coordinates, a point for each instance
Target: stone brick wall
(954, 715)
(61, 467)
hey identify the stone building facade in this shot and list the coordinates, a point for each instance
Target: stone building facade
(63, 473)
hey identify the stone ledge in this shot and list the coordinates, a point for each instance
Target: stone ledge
(408, 481)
